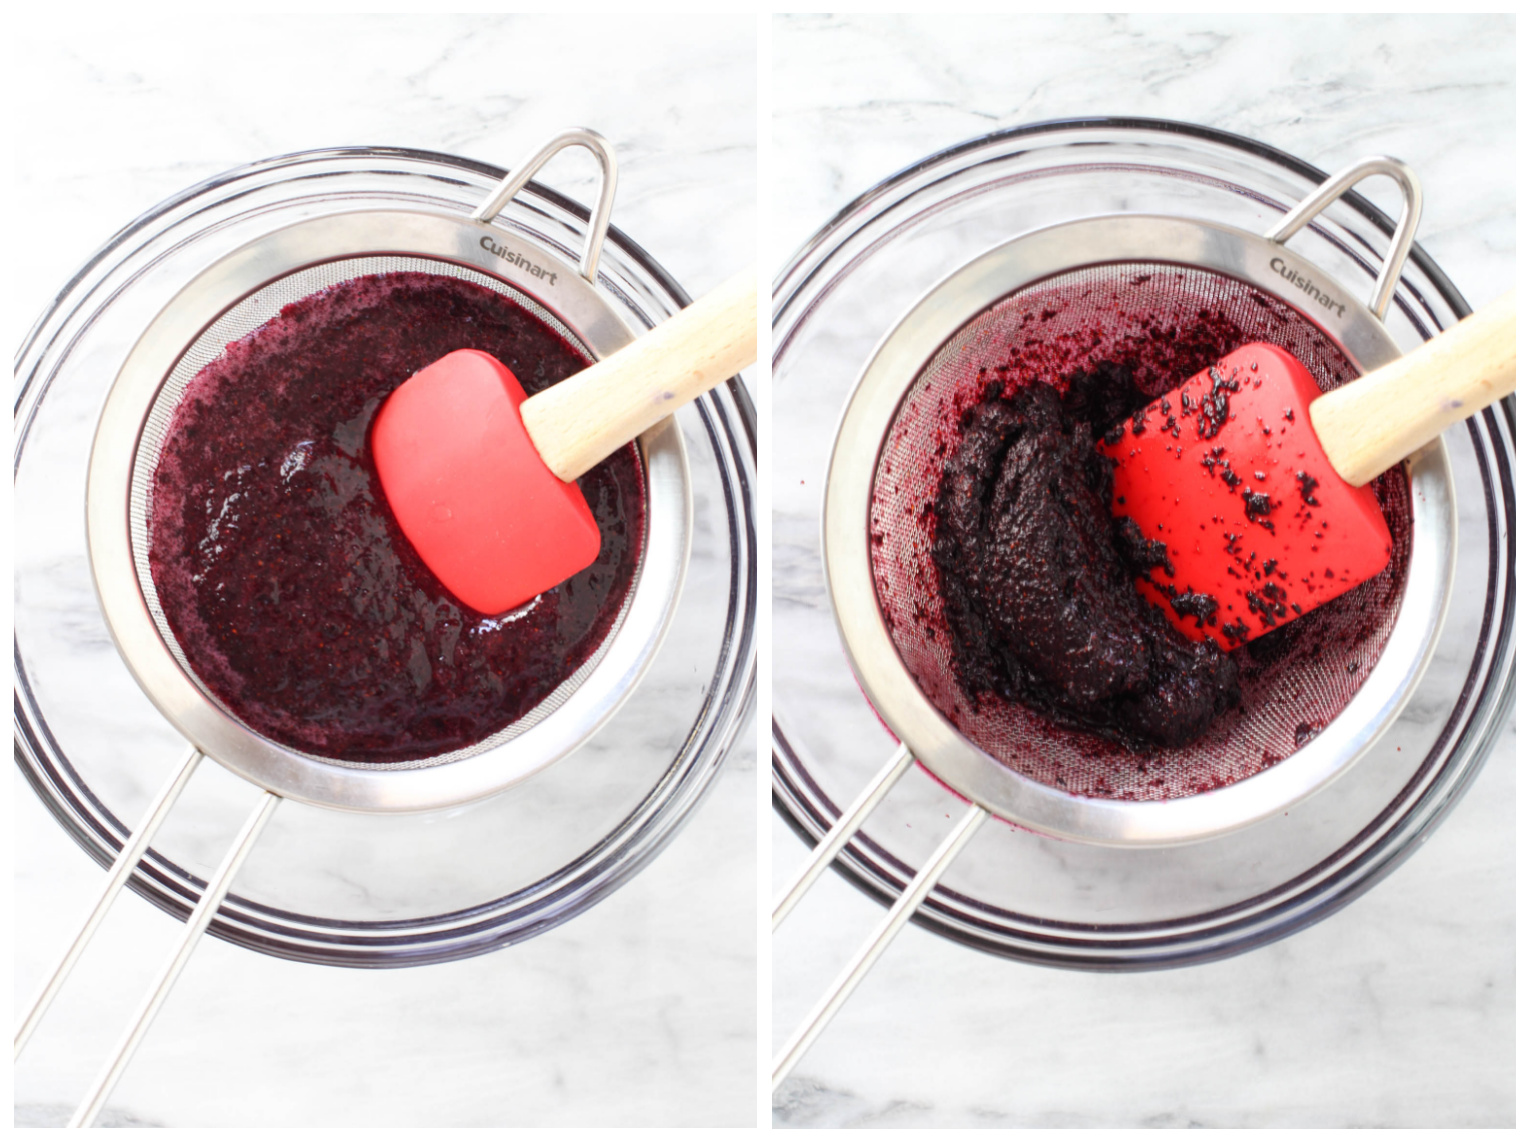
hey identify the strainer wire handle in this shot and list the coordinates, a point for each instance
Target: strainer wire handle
(918, 888)
(600, 219)
(196, 924)
(1402, 237)
(836, 838)
(127, 860)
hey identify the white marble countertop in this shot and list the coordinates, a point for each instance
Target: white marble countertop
(638, 1012)
(1399, 1010)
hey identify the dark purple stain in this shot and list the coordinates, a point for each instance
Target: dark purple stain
(1308, 483)
(1203, 607)
(1256, 506)
(1214, 407)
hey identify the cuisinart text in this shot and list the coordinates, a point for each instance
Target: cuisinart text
(1279, 266)
(516, 260)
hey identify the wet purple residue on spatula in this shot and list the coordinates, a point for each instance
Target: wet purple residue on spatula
(289, 587)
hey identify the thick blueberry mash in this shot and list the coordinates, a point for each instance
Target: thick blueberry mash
(1037, 575)
(293, 594)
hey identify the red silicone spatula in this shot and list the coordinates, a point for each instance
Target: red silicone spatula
(480, 476)
(1257, 484)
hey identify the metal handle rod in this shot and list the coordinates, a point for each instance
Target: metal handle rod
(1402, 238)
(876, 944)
(600, 217)
(127, 860)
(836, 838)
(196, 924)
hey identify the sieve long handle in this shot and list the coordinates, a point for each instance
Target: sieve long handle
(876, 944)
(196, 924)
(127, 860)
(836, 838)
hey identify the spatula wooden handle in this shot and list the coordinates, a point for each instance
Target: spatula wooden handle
(1374, 421)
(578, 423)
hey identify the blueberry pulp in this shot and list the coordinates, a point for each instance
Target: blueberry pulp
(284, 577)
(1036, 575)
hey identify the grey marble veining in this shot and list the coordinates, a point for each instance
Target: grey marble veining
(1398, 1010)
(638, 1012)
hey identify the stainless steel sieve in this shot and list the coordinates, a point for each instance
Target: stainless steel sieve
(880, 475)
(235, 295)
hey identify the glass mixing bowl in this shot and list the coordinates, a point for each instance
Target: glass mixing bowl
(365, 890)
(1017, 893)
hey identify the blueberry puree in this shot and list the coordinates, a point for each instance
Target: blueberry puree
(1037, 576)
(295, 597)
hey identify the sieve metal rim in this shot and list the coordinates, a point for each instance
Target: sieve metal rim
(899, 359)
(336, 236)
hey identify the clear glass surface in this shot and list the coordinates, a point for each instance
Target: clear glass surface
(1014, 892)
(359, 889)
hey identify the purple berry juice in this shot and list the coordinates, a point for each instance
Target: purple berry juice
(291, 590)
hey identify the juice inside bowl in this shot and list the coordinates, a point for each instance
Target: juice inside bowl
(291, 590)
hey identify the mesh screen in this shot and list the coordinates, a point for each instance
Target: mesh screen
(238, 322)
(1160, 321)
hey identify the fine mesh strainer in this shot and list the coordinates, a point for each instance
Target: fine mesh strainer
(1120, 312)
(236, 294)
(1051, 301)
